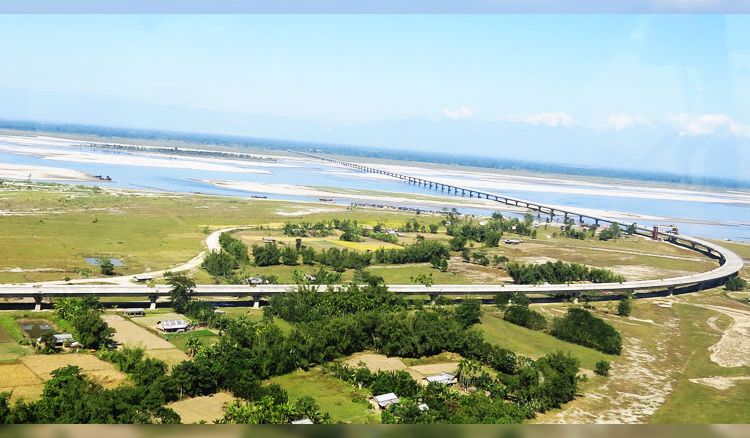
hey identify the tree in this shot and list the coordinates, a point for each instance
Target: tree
(193, 344)
(433, 228)
(267, 255)
(107, 267)
(468, 312)
(289, 256)
(181, 292)
(502, 300)
(219, 263)
(625, 306)
(602, 368)
(520, 299)
(735, 284)
(425, 279)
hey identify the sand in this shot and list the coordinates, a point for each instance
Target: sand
(24, 172)
(207, 408)
(719, 382)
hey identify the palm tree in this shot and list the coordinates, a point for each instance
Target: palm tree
(467, 372)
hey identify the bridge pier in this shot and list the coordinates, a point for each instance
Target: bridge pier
(152, 302)
(256, 301)
(38, 303)
(433, 299)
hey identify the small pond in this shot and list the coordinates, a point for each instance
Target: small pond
(96, 261)
(36, 328)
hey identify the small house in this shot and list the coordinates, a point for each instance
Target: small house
(385, 400)
(143, 277)
(442, 378)
(173, 326)
(512, 241)
(63, 338)
(303, 421)
(311, 278)
(132, 312)
(269, 240)
(423, 407)
(255, 281)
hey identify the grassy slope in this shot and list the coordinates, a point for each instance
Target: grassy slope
(533, 343)
(695, 403)
(333, 395)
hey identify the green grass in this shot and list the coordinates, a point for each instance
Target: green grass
(256, 315)
(695, 403)
(532, 343)
(10, 331)
(180, 339)
(333, 395)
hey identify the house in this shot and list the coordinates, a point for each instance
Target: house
(256, 281)
(269, 240)
(143, 277)
(512, 241)
(442, 378)
(303, 421)
(135, 311)
(63, 338)
(311, 278)
(173, 326)
(385, 400)
(423, 407)
(220, 312)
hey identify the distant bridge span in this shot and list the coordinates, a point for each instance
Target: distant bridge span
(729, 265)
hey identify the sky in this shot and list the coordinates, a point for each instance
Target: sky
(653, 92)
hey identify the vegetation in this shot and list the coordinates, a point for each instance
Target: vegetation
(84, 316)
(107, 267)
(181, 292)
(735, 284)
(625, 306)
(602, 368)
(581, 327)
(525, 317)
(559, 273)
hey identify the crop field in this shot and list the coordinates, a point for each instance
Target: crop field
(342, 401)
(206, 409)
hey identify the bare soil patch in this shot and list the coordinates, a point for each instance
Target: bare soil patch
(172, 356)
(202, 409)
(719, 382)
(733, 349)
(376, 362)
(132, 335)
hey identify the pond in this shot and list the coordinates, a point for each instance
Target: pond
(96, 261)
(36, 328)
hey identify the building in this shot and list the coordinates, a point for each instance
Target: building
(311, 278)
(385, 400)
(143, 277)
(61, 339)
(423, 407)
(255, 281)
(173, 326)
(269, 240)
(135, 311)
(303, 421)
(512, 241)
(442, 378)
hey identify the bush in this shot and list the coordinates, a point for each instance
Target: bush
(266, 255)
(107, 267)
(581, 327)
(525, 317)
(625, 307)
(736, 284)
(602, 368)
(219, 264)
(468, 312)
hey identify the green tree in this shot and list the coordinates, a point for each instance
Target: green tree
(193, 344)
(468, 312)
(425, 279)
(219, 264)
(625, 306)
(735, 284)
(107, 267)
(181, 292)
(602, 368)
(289, 256)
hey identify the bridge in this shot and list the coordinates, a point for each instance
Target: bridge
(729, 265)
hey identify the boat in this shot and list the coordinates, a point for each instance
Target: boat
(325, 199)
(259, 196)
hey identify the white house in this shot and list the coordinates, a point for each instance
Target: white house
(442, 378)
(173, 326)
(385, 400)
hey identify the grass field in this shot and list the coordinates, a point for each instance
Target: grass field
(179, 339)
(333, 395)
(531, 343)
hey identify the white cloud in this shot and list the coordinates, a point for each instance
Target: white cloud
(463, 112)
(708, 124)
(546, 119)
(624, 121)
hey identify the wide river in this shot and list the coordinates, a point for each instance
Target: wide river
(707, 212)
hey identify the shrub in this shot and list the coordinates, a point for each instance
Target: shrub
(736, 284)
(625, 307)
(581, 327)
(602, 368)
(525, 317)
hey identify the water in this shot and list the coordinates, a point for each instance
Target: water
(98, 261)
(36, 328)
(707, 219)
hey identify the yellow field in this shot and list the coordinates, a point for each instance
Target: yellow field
(202, 409)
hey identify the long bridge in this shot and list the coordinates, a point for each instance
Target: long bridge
(729, 265)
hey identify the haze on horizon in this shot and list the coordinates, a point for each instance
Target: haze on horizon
(663, 93)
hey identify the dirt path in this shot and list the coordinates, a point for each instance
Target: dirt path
(638, 385)
(733, 349)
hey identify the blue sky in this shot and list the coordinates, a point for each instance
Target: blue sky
(663, 92)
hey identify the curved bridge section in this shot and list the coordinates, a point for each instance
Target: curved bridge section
(729, 265)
